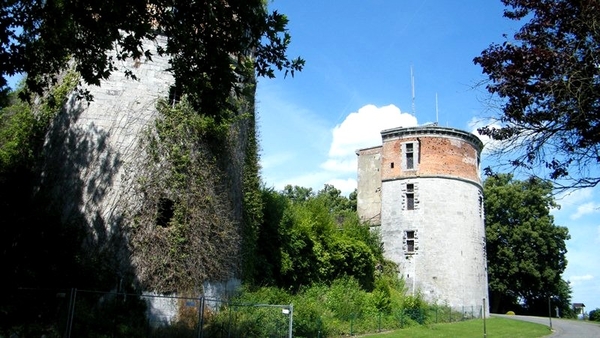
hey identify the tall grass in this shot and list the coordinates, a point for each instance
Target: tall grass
(344, 308)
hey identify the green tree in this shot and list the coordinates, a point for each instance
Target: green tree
(335, 201)
(213, 44)
(548, 81)
(595, 315)
(562, 300)
(308, 239)
(297, 194)
(525, 249)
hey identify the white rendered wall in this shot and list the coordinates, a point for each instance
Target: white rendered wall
(448, 266)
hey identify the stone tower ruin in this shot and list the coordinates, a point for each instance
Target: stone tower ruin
(421, 189)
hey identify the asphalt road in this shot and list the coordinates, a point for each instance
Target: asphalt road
(564, 328)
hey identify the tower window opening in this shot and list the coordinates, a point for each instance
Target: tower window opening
(410, 156)
(166, 211)
(410, 197)
(392, 165)
(175, 94)
(410, 241)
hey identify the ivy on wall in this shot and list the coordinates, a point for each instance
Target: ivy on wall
(182, 230)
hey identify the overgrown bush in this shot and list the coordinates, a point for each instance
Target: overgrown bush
(594, 315)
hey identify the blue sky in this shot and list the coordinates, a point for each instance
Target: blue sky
(357, 81)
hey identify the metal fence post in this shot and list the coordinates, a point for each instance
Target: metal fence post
(550, 312)
(70, 313)
(201, 317)
(483, 311)
(291, 320)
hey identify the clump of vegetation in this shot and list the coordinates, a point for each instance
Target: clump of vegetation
(182, 229)
(339, 309)
(309, 238)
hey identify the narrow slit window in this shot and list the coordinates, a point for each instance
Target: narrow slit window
(392, 165)
(410, 156)
(410, 241)
(410, 197)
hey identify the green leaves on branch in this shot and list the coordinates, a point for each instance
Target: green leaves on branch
(525, 249)
(23, 125)
(213, 45)
(547, 78)
(314, 238)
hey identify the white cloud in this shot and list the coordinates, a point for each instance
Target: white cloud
(270, 161)
(361, 129)
(581, 278)
(346, 186)
(577, 280)
(585, 209)
(574, 197)
(345, 165)
(489, 145)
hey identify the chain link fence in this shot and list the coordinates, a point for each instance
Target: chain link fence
(86, 313)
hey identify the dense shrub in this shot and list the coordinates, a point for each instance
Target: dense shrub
(594, 315)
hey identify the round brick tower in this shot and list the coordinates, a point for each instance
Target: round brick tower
(429, 206)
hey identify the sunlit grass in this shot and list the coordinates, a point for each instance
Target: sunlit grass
(495, 328)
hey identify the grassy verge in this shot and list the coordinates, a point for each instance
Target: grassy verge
(495, 328)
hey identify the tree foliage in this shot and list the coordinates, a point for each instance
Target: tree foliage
(548, 82)
(525, 249)
(213, 44)
(312, 238)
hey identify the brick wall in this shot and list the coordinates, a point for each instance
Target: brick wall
(433, 156)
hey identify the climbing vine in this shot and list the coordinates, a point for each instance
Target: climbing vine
(183, 230)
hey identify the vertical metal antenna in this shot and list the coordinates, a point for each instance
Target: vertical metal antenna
(436, 109)
(412, 84)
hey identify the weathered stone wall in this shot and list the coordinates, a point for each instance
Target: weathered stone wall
(93, 156)
(369, 185)
(92, 143)
(437, 198)
(448, 263)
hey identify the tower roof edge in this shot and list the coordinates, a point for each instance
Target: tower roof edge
(432, 130)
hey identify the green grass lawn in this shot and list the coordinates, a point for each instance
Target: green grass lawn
(495, 327)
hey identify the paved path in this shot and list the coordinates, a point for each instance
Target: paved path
(563, 328)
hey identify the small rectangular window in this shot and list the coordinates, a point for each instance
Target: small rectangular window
(410, 241)
(410, 197)
(410, 156)
(392, 165)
